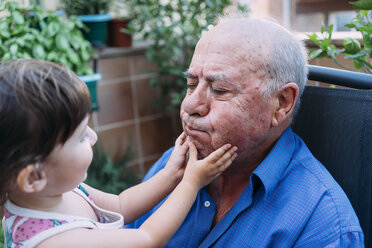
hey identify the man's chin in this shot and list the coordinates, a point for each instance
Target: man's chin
(203, 151)
(204, 148)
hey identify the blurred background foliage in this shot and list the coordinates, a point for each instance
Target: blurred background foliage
(85, 7)
(108, 175)
(173, 27)
(361, 54)
(32, 32)
(1, 237)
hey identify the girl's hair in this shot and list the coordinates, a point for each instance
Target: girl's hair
(41, 105)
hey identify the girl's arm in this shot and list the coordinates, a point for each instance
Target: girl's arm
(161, 226)
(198, 174)
(137, 200)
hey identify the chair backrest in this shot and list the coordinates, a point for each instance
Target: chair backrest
(336, 125)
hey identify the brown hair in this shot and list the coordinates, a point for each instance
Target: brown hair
(41, 105)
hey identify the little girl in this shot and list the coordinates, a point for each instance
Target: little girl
(45, 152)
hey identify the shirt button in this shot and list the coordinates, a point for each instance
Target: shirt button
(207, 204)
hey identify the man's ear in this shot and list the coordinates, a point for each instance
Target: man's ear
(286, 99)
(31, 179)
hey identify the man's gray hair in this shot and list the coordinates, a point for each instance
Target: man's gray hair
(282, 59)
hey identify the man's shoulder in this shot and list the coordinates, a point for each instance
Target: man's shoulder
(330, 201)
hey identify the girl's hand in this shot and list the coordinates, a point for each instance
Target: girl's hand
(202, 172)
(176, 162)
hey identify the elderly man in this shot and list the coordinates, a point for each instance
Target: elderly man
(244, 84)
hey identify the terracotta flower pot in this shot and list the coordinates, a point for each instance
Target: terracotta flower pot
(116, 38)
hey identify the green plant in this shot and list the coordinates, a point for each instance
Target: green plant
(85, 7)
(174, 27)
(31, 32)
(352, 49)
(1, 236)
(109, 176)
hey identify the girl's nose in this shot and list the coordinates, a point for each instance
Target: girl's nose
(92, 136)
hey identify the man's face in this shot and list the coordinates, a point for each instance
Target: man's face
(223, 103)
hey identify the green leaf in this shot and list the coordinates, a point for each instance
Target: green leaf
(26, 55)
(360, 54)
(350, 25)
(315, 53)
(357, 64)
(314, 39)
(18, 18)
(20, 42)
(73, 57)
(362, 4)
(364, 13)
(7, 56)
(351, 45)
(62, 42)
(325, 44)
(52, 56)
(38, 51)
(53, 28)
(4, 34)
(332, 51)
(330, 30)
(13, 49)
(3, 26)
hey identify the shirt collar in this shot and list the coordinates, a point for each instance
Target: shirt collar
(276, 162)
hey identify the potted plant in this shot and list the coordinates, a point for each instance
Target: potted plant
(34, 33)
(118, 33)
(94, 14)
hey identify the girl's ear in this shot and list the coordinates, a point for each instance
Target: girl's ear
(31, 179)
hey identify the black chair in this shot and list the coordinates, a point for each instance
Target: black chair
(336, 125)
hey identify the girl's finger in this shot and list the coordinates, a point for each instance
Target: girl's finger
(181, 139)
(184, 147)
(227, 163)
(227, 155)
(216, 155)
(193, 152)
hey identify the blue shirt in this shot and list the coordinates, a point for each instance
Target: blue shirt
(292, 201)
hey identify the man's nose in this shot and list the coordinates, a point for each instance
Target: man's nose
(197, 102)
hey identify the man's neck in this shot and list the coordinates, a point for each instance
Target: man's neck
(226, 189)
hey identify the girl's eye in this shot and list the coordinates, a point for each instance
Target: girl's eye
(85, 136)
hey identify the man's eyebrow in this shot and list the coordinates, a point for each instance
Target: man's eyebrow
(189, 75)
(215, 78)
(212, 78)
(220, 78)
